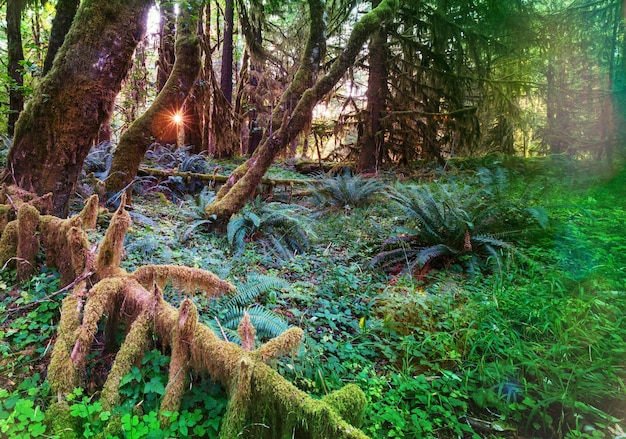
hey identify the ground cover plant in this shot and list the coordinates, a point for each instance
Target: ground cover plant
(532, 348)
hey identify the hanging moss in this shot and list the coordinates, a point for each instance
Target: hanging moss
(27, 241)
(185, 279)
(237, 410)
(129, 355)
(100, 300)
(8, 243)
(62, 374)
(179, 363)
(258, 394)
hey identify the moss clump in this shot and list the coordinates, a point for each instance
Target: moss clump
(54, 237)
(8, 243)
(286, 343)
(112, 246)
(27, 241)
(7, 214)
(60, 421)
(247, 332)
(349, 402)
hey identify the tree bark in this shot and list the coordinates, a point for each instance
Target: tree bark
(302, 95)
(138, 137)
(226, 77)
(66, 11)
(167, 38)
(16, 56)
(371, 142)
(56, 130)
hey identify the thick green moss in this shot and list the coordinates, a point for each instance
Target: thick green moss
(8, 242)
(61, 422)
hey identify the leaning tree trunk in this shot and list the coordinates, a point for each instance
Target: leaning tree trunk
(303, 97)
(66, 11)
(372, 140)
(56, 130)
(16, 56)
(136, 139)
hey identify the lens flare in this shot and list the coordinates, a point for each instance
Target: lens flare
(177, 118)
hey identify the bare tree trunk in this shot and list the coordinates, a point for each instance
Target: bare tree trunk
(16, 56)
(372, 141)
(138, 137)
(56, 130)
(302, 95)
(66, 11)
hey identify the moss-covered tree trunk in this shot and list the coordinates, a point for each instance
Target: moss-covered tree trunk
(56, 130)
(66, 11)
(302, 95)
(372, 140)
(16, 56)
(143, 131)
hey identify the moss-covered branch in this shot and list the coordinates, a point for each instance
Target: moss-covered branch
(258, 394)
(244, 180)
(145, 129)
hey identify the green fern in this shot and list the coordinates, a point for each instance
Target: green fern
(446, 224)
(344, 190)
(224, 314)
(197, 213)
(281, 230)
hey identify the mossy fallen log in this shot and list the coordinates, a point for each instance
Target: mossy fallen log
(262, 404)
(219, 179)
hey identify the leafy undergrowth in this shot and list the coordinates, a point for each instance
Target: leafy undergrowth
(530, 346)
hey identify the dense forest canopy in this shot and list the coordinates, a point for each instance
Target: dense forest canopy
(312, 218)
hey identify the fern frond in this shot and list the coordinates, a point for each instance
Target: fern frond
(260, 284)
(540, 215)
(434, 252)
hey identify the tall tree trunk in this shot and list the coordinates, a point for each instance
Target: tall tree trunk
(136, 139)
(167, 38)
(371, 142)
(16, 56)
(226, 78)
(56, 130)
(302, 95)
(66, 11)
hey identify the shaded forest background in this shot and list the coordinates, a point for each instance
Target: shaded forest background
(440, 79)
